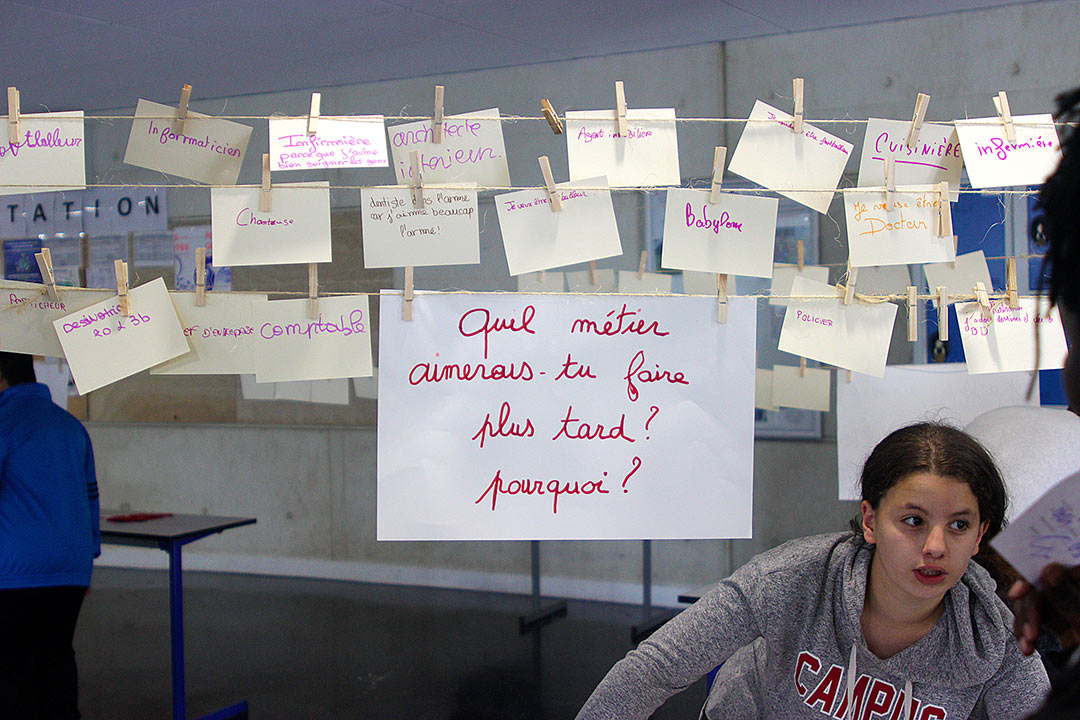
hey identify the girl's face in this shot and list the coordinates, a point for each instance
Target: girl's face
(926, 529)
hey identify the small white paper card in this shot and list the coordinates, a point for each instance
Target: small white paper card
(295, 230)
(472, 150)
(1008, 343)
(790, 389)
(1047, 532)
(763, 382)
(883, 280)
(648, 283)
(341, 142)
(221, 334)
(992, 161)
(27, 315)
(734, 236)
(253, 390)
(704, 283)
(330, 392)
(102, 346)
(536, 238)
(935, 158)
(869, 408)
(648, 155)
(896, 232)
(971, 268)
(771, 154)
(209, 150)
(295, 390)
(542, 282)
(50, 151)
(397, 234)
(291, 346)
(854, 336)
(578, 281)
(784, 275)
(367, 387)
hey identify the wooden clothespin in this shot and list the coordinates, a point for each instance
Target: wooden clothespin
(797, 86)
(13, 115)
(406, 310)
(1001, 102)
(802, 367)
(264, 199)
(437, 119)
(180, 121)
(913, 314)
(551, 116)
(592, 273)
(983, 298)
(200, 276)
(416, 182)
(921, 103)
(1010, 283)
(620, 108)
(121, 270)
(313, 290)
(641, 264)
(890, 179)
(549, 184)
(44, 262)
(800, 251)
(313, 114)
(944, 210)
(943, 313)
(721, 297)
(849, 290)
(719, 155)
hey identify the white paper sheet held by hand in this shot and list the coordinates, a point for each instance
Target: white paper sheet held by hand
(1047, 532)
(341, 142)
(935, 158)
(992, 161)
(291, 346)
(792, 389)
(472, 149)
(854, 336)
(27, 314)
(895, 229)
(771, 154)
(1007, 343)
(537, 238)
(733, 236)
(49, 151)
(296, 229)
(397, 234)
(221, 334)
(102, 346)
(647, 155)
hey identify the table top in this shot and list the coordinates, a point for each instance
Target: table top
(175, 527)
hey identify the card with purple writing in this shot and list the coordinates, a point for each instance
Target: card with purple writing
(289, 345)
(296, 229)
(472, 150)
(733, 236)
(208, 150)
(934, 158)
(1048, 531)
(27, 314)
(103, 346)
(48, 155)
(1003, 340)
(647, 155)
(221, 334)
(537, 238)
(992, 161)
(805, 167)
(896, 228)
(341, 142)
(397, 233)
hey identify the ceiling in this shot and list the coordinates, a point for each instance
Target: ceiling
(98, 54)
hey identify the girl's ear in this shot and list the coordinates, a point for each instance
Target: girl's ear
(983, 527)
(869, 517)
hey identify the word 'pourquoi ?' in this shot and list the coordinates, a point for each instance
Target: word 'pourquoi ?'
(529, 486)
(715, 224)
(166, 135)
(314, 328)
(48, 139)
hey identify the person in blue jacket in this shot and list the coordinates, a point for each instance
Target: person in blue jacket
(49, 537)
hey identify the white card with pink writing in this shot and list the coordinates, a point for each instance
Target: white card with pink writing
(784, 275)
(444, 231)
(896, 228)
(935, 157)
(340, 142)
(1047, 532)
(27, 314)
(221, 334)
(993, 161)
(542, 417)
(290, 345)
(805, 167)
(537, 238)
(804, 390)
(472, 150)
(648, 154)
(1003, 340)
(821, 327)
(50, 151)
(205, 149)
(733, 236)
(102, 345)
(296, 229)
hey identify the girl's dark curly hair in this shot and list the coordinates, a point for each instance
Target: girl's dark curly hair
(1059, 199)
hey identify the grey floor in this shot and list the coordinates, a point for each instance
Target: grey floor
(308, 649)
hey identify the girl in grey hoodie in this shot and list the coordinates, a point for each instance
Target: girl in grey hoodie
(892, 623)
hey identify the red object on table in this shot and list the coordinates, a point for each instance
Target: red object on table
(138, 517)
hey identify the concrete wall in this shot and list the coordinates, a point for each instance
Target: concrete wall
(313, 488)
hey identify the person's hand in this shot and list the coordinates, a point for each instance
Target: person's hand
(1057, 606)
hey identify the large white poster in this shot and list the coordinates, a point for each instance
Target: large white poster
(513, 417)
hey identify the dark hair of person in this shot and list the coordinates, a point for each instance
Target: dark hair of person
(17, 368)
(1060, 223)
